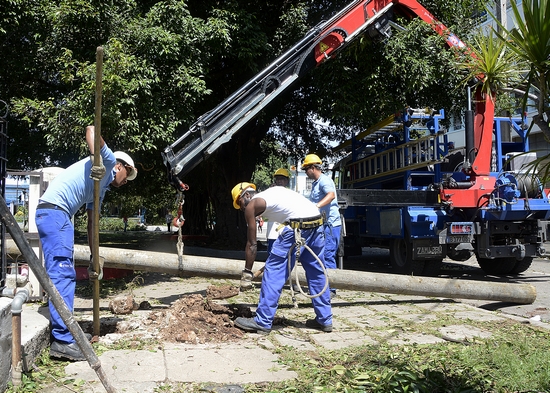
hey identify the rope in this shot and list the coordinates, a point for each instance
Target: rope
(299, 243)
(179, 221)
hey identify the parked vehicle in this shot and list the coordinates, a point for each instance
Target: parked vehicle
(402, 188)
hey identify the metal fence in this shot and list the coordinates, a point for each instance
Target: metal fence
(3, 175)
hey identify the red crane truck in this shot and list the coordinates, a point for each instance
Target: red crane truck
(469, 210)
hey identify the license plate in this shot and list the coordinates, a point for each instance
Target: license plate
(429, 250)
(451, 239)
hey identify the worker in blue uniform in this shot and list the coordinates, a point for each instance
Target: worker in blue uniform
(65, 195)
(300, 218)
(323, 194)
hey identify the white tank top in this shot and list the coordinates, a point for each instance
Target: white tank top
(283, 204)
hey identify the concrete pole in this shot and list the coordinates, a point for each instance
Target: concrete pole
(501, 14)
(340, 279)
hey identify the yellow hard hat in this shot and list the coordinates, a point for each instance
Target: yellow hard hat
(311, 159)
(282, 172)
(237, 191)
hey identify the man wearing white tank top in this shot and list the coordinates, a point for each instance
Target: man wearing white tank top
(299, 216)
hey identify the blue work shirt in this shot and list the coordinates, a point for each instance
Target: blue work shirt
(320, 188)
(74, 187)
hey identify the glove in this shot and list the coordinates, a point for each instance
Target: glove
(98, 172)
(246, 280)
(92, 275)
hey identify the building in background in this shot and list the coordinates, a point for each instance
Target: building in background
(537, 143)
(17, 192)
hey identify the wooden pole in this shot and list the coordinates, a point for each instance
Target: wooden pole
(97, 157)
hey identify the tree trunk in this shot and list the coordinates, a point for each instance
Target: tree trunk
(232, 163)
(235, 163)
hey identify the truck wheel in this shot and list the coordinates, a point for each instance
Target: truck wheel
(498, 266)
(401, 258)
(522, 265)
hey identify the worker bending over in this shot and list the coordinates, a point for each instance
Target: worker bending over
(300, 217)
(65, 195)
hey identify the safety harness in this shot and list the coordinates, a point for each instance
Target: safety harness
(305, 223)
(297, 225)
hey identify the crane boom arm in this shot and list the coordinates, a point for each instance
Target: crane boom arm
(217, 126)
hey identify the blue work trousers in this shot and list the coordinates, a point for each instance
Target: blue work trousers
(56, 233)
(332, 239)
(276, 274)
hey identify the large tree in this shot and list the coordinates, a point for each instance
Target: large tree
(168, 62)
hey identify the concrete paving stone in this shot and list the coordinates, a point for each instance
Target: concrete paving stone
(478, 316)
(339, 340)
(124, 366)
(385, 334)
(406, 298)
(443, 306)
(414, 338)
(128, 371)
(120, 386)
(265, 343)
(463, 332)
(357, 297)
(352, 311)
(418, 317)
(295, 315)
(225, 364)
(392, 308)
(365, 322)
(292, 338)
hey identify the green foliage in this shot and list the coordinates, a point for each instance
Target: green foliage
(107, 288)
(491, 64)
(273, 160)
(168, 62)
(500, 364)
(530, 42)
(373, 79)
(111, 224)
(43, 374)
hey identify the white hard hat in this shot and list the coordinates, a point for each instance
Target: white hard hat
(127, 160)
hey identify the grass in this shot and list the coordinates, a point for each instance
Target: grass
(515, 359)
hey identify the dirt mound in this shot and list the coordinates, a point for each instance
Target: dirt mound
(195, 319)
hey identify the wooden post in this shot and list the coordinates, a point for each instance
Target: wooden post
(97, 157)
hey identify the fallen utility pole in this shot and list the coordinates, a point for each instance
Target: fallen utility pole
(340, 279)
(40, 271)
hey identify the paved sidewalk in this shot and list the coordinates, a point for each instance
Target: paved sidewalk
(359, 319)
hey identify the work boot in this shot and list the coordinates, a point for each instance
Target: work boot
(66, 351)
(250, 325)
(314, 324)
(246, 280)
